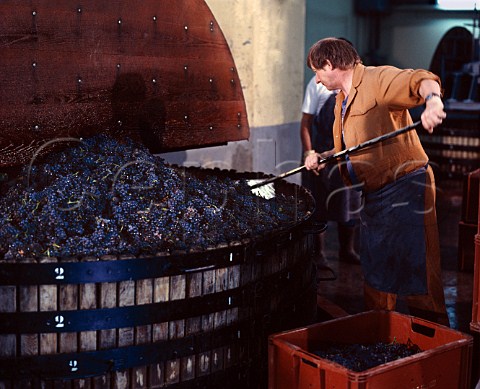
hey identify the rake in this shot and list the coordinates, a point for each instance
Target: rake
(265, 188)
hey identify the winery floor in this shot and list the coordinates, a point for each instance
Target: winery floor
(344, 295)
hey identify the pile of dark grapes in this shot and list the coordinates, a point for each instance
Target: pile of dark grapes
(102, 196)
(360, 357)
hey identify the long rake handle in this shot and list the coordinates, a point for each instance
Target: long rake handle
(342, 153)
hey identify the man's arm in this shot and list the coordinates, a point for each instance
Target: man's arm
(306, 131)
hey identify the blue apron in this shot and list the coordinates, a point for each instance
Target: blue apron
(393, 252)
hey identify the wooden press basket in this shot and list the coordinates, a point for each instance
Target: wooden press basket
(160, 72)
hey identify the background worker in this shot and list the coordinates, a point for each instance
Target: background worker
(399, 249)
(334, 201)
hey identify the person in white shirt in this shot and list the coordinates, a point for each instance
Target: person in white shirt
(334, 201)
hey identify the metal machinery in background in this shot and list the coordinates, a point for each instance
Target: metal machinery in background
(454, 147)
(163, 74)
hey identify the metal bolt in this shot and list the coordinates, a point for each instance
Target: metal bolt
(154, 18)
(34, 13)
(79, 10)
(186, 28)
(119, 21)
(34, 64)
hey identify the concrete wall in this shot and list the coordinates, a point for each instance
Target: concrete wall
(410, 35)
(325, 18)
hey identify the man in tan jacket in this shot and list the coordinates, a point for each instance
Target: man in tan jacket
(400, 251)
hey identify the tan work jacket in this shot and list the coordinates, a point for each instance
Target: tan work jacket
(378, 103)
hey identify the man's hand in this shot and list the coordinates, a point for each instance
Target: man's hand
(311, 161)
(433, 114)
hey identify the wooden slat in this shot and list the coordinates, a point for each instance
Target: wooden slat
(221, 284)
(172, 371)
(217, 363)
(193, 325)
(144, 295)
(107, 338)
(194, 289)
(88, 300)
(204, 363)
(108, 299)
(208, 324)
(8, 303)
(86, 26)
(121, 379)
(101, 382)
(214, 85)
(188, 368)
(176, 328)
(143, 334)
(28, 303)
(82, 383)
(48, 301)
(126, 298)
(160, 331)
(68, 300)
(220, 320)
(60, 384)
(87, 339)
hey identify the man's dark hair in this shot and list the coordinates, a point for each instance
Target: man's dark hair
(339, 51)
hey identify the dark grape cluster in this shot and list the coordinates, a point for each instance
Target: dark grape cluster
(360, 357)
(102, 196)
